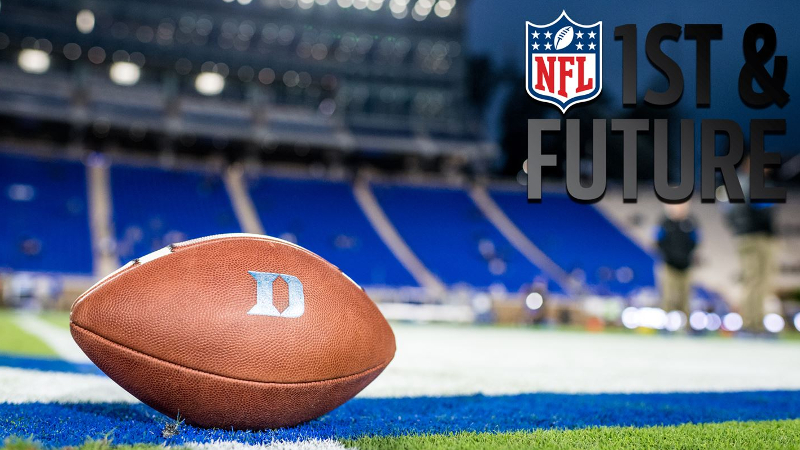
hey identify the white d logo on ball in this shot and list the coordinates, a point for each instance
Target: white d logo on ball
(264, 300)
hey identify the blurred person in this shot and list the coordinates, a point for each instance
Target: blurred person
(677, 239)
(753, 225)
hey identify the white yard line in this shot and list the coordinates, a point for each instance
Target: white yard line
(310, 444)
(55, 337)
(463, 360)
(24, 386)
(439, 360)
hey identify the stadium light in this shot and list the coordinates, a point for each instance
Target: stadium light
(421, 10)
(209, 83)
(675, 320)
(534, 301)
(399, 8)
(85, 21)
(124, 73)
(33, 61)
(630, 317)
(72, 51)
(732, 322)
(721, 194)
(714, 322)
(774, 323)
(482, 303)
(698, 320)
(654, 318)
(443, 9)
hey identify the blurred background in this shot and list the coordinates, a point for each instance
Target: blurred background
(388, 136)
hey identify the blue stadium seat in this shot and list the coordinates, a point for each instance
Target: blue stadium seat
(45, 220)
(323, 216)
(154, 208)
(453, 238)
(577, 237)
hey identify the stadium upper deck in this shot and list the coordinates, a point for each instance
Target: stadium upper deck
(234, 76)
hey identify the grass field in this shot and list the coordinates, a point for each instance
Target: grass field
(730, 435)
(57, 318)
(15, 443)
(15, 340)
(783, 434)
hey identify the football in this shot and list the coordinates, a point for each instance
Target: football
(564, 38)
(234, 331)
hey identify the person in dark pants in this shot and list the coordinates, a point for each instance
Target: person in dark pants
(677, 239)
(753, 225)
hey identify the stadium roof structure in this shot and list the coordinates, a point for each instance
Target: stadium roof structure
(385, 76)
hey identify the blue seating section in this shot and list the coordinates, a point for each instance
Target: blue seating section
(45, 226)
(45, 221)
(154, 208)
(323, 216)
(453, 238)
(577, 237)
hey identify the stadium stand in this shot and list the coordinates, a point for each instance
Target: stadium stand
(143, 107)
(45, 226)
(166, 207)
(608, 261)
(296, 209)
(453, 239)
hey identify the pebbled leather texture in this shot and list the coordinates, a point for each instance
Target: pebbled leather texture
(174, 331)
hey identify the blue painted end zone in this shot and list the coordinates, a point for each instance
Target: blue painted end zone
(47, 364)
(71, 424)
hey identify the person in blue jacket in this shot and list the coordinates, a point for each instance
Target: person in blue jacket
(677, 237)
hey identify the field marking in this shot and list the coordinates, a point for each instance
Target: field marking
(449, 360)
(25, 386)
(309, 444)
(57, 338)
(434, 360)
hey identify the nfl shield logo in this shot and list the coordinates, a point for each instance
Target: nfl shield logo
(564, 59)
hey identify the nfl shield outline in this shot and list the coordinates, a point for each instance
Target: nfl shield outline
(563, 106)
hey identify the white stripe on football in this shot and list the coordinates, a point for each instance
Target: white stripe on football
(564, 37)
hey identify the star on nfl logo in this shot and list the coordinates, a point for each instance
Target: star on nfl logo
(564, 60)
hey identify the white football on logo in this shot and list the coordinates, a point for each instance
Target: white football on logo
(564, 37)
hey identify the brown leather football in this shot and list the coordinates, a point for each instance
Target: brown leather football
(238, 330)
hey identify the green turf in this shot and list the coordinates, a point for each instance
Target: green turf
(57, 318)
(730, 435)
(782, 434)
(14, 339)
(14, 443)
